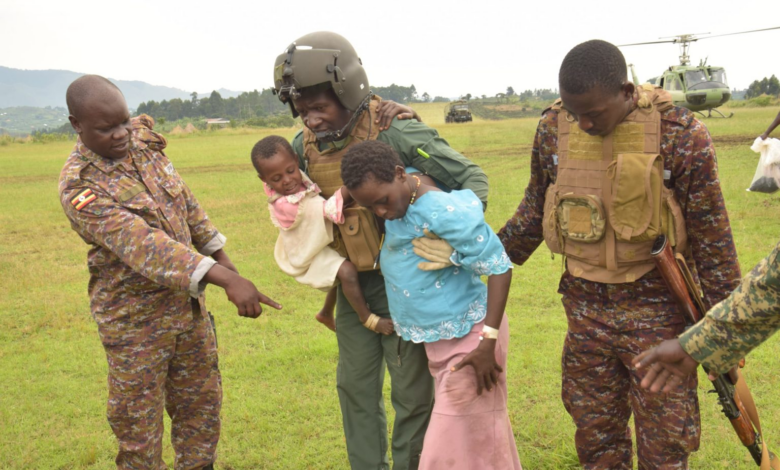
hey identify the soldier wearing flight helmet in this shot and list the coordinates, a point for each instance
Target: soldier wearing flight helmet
(323, 80)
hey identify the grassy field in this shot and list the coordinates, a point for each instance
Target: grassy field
(281, 409)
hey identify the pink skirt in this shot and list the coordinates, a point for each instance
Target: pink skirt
(468, 431)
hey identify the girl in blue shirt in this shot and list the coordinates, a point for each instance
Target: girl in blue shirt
(459, 319)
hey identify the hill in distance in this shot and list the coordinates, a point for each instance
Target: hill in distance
(42, 88)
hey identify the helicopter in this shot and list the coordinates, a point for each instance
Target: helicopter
(697, 87)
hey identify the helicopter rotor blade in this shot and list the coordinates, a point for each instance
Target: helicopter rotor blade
(677, 38)
(642, 43)
(741, 32)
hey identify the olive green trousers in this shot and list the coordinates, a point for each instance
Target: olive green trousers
(363, 356)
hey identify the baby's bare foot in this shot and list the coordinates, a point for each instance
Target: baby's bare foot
(326, 318)
(385, 326)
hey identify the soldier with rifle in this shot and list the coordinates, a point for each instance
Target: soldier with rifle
(613, 166)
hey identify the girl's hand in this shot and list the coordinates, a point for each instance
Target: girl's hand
(483, 360)
(345, 196)
(389, 109)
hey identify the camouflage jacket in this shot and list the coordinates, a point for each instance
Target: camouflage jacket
(141, 221)
(687, 150)
(747, 317)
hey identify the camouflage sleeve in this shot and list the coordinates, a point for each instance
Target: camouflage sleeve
(706, 219)
(147, 250)
(522, 234)
(741, 322)
(205, 236)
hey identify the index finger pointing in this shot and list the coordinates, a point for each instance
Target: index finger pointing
(269, 302)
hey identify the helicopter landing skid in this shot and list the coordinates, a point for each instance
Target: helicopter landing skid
(709, 113)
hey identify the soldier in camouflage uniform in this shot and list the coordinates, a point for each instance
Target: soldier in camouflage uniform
(611, 322)
(127, 202)
(729, 331)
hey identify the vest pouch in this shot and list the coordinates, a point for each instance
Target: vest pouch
(550, 220)
(637, 212)
(360, 236)
(675, 227)
(581, 217)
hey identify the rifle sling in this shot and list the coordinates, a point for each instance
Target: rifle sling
(693, 289)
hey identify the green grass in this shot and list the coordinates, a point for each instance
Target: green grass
(281, 408)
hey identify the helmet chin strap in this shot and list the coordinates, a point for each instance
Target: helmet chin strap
(335, 136)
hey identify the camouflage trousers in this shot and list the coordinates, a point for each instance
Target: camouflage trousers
(608, 326)
(179, 373)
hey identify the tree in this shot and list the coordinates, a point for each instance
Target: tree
(466, 97)
(510, 91)
(426, 97)
(217, 104)
(753, 90)
(441, 99)
(773, 86)
(394, 92)
(767, 86)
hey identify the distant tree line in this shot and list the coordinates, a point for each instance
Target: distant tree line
(255, 106)
(406, 94)
(544, 94)
(767, 86)
(247, 105)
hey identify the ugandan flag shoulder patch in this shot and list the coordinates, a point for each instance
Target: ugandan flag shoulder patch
(83, 198)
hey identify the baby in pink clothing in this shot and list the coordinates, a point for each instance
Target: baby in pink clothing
(305, 222)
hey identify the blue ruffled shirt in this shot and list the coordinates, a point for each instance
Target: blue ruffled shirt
(427, 306)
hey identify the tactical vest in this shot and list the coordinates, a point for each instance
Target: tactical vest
(358, 238)
(609, 202)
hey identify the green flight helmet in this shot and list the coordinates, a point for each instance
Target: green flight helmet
(325, 59)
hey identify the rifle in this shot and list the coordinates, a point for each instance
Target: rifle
(685, 292)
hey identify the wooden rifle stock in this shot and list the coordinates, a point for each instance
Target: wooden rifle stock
(666, 263)
(693, 310)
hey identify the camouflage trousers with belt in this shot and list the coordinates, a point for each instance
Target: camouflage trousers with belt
(608, 325)
(178, 373)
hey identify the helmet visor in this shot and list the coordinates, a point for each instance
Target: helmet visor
(303, 67)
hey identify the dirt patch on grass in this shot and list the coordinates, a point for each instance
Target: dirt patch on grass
(214, 169)
(734, 139)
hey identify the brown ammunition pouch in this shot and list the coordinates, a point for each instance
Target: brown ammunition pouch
(609, 202)
(358, 239)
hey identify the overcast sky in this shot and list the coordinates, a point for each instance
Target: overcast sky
(444, 48)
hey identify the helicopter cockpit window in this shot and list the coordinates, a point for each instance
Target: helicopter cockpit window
(694, 77)
(673, 84)
(718, 75)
